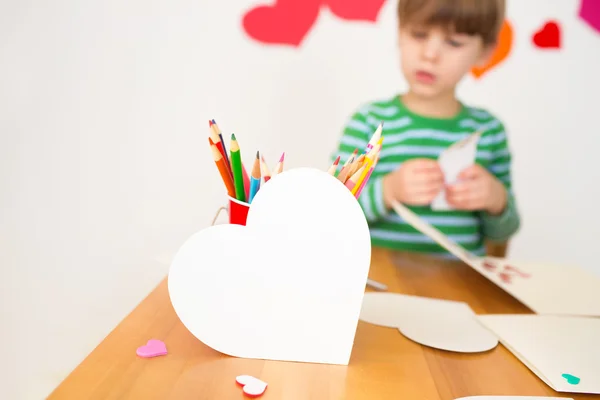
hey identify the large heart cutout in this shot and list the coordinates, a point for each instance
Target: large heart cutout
(287, 286)
(441, 324)
(502, 51)
(365, 10)
(287, 22)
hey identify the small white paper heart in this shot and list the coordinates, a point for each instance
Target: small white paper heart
(252, 386)
(287, 286)
(441, 324)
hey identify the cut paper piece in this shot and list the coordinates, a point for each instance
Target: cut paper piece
(512, 398)
(502, 51)
(253, 387)
(543, 287)
(297, 299)
(453, 161)
(548, 37)
(153, 348)
(287, 22)
(552, 346)
(364, 10)
(589, 11)
(441, 324)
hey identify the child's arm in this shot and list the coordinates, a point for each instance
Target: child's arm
(356, 135)
(504, 225)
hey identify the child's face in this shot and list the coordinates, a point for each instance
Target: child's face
(434, 60)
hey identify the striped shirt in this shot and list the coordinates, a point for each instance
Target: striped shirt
(408, 135)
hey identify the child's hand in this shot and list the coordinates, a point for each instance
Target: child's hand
(477, 190)
(416, 182)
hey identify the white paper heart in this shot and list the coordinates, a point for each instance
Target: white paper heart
(289, 285)
(253, 387)
(441, 324)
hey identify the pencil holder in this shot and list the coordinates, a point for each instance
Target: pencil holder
(285, 279)
(238, 211)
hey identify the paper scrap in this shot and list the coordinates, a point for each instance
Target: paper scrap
(453, 161)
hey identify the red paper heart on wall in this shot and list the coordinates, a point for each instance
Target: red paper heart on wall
(355, 10)
(287, 22)
(548, 37)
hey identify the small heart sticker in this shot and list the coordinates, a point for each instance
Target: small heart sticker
(253, 387)
(548, 37)
(571, 379)
(153, 348)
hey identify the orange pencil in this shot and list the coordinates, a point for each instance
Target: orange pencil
(220, 162)
(264, 169)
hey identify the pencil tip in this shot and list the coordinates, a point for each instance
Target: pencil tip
(210, 123)
(213, 121)
(233, 136)
(257, 156)
(282, 157)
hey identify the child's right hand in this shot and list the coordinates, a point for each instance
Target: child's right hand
(416, 182)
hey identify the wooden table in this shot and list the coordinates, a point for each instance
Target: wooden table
(384, 364)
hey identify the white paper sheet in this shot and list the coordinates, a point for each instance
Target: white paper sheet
(441, 324)
(551, 346)
(543, 287)
(453, 161)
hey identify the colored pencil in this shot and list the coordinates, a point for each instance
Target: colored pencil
(254, 179)
(236, 168)
(218, 131)
(375, 138)
(246, 180)
(215, 139)
(364, 182)
(351, 183)
(223, 170)
(334, 166)
(367, 166)
(264, 169)
(279, 166)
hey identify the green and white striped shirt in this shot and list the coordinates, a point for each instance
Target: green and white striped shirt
(408, 135)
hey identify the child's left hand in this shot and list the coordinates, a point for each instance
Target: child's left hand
(477, 189)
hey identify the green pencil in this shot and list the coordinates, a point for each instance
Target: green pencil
(236, 169)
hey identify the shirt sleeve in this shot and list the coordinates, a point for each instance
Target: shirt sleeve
(503, 226)
(356, 135)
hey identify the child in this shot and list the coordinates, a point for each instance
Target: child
(440, 41)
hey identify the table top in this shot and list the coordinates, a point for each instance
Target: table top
(384, 364)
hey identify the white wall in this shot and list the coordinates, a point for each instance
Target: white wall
(105, 168)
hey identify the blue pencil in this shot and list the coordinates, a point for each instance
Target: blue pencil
(254, 179)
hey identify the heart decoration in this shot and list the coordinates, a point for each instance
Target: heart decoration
(153, 348)
(287, 22)
(441, 324)
(287, 286)
(589, 11)
(548, 37)
(571, 379)
(502, 51)
(253, 387)
(365, 10)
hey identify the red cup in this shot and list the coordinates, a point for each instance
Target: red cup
(238, 211)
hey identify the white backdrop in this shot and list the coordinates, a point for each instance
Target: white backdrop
(105, 168)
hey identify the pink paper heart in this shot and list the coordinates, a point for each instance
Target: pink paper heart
(153, 348)
(253, 387)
